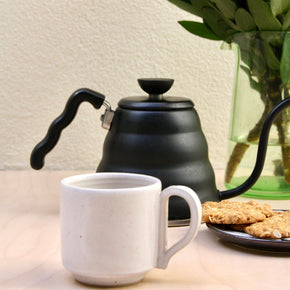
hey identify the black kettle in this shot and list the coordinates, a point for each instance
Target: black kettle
(156, 135)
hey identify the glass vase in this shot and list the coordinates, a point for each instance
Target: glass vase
(262, 80)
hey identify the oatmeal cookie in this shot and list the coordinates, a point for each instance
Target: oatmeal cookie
(235, 212)
(274, 227)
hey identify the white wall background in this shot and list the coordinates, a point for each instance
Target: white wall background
(51, 48)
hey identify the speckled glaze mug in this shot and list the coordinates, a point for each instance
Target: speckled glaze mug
(114, 226)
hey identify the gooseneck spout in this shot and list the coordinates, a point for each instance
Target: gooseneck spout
(261, 153)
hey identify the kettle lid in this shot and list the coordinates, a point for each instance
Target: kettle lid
(155, 87)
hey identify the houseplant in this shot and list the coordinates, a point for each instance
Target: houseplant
(259, 30)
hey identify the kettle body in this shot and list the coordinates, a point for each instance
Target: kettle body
(169, 145)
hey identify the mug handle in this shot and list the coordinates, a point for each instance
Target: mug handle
(194, 204)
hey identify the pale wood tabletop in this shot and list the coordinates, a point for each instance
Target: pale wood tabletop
(30, 246)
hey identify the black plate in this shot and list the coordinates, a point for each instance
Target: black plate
(227, 234)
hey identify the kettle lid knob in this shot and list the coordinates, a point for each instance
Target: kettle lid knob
(155, 87)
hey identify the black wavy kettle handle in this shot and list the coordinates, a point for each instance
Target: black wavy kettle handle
(62, 121)
(261, 154)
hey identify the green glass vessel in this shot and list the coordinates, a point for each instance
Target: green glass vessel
(262, 80)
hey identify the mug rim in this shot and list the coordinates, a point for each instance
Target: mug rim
(153, 181)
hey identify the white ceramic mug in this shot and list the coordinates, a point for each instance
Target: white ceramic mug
(114, 226)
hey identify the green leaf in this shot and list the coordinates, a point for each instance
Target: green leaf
(279, 7)
(263, 16)
(216, 23)
(245, 20)
(270, 57)
(286, 22)
(185, 5)
(253, 84)
(199, 29)
(285, 61)
(228, 21)
(227, 7)
(198, 6)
